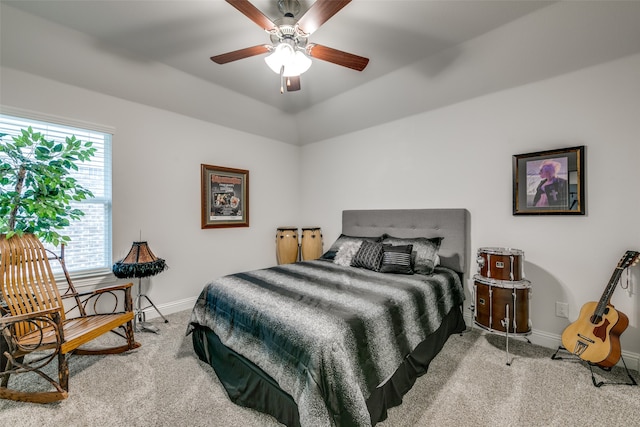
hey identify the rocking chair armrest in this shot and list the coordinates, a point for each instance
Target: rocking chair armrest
(9, 319)
(113, 288)
(84, 299)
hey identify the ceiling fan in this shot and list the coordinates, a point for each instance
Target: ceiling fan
(290, 50)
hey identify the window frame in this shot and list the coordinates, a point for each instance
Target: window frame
(89, 276)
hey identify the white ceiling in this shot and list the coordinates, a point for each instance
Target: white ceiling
(414, 47)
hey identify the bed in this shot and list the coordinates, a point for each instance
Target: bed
(327, 343)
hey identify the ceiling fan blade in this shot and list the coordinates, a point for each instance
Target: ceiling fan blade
(293, 83)
(251, 12)
(240, 54)
(338, 57)
(319, 13)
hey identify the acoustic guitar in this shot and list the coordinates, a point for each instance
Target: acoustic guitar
(595, 336)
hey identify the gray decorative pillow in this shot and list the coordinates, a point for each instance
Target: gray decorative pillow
(396, 259)
(342, 239)
(369, 256)
(346, 253)
(424, 251)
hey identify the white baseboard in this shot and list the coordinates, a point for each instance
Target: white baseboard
(553, 341)
(171, 307)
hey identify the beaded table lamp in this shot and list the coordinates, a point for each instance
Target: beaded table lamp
(140, 262)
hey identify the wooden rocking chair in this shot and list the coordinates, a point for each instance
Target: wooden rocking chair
(38, 329)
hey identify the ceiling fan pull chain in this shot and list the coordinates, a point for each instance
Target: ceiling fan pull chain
(282, 79)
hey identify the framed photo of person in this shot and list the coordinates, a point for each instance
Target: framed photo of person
(549, 182)
(225, 197)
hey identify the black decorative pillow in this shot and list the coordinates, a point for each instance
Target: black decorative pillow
(341, 240)
(396, 259)
(424, 251)
(369, 256)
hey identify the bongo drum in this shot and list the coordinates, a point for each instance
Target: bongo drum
(311, 246)
(502, 304)
(501, 263)
(287, 245)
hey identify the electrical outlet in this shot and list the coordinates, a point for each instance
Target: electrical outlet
(562, 309)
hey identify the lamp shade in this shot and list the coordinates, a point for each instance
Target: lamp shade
(139, 262)
(294, 61)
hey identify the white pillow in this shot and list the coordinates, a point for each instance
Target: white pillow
(346, 253)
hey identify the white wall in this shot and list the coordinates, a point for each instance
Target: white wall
(156, 184)
(460, 156)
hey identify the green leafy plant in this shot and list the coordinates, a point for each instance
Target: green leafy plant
(36, 188)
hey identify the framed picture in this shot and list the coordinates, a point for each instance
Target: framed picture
(225, 197)
(549, 182)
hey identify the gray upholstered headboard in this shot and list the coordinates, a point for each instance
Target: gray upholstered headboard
(452, 224)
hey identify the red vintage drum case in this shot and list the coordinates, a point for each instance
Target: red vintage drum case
(501, 263)
(502, 306)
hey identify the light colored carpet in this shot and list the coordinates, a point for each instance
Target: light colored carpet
(468, 384)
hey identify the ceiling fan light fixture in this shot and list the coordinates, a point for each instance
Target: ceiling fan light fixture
(295, 62)
(301, 63)
(290, 53)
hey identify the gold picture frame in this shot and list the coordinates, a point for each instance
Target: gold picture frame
(224, 197)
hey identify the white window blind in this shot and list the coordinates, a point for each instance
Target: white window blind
(90, 246)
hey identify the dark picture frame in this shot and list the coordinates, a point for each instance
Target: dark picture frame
(549, 182)
(224, 197)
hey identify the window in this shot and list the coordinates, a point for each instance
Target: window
(90, 246)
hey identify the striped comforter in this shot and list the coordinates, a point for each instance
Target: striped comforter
(328, 334)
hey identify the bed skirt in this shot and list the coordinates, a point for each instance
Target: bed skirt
(249, 386)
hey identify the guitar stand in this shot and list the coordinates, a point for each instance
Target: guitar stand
(631, 382)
